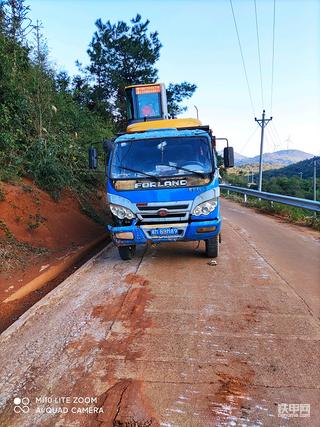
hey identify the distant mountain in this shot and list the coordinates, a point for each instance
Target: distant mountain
(237, 157)
(281, 157)
(305, 166)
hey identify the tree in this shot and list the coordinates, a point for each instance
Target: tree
(82, 91)
(176, 93)
(44, 131)
(2, 17)
(121, 55)
(17, 23)
(62, 82)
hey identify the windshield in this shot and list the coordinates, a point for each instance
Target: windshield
(162, 157)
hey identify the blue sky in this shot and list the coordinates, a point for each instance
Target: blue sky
(200, 46)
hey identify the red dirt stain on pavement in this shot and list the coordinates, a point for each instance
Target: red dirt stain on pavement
(128, 308)
(136, 279)
(250, 314)
(126, 406)
(123, 401)
(107, 312)
(230, 398)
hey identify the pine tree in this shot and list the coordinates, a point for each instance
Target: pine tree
(176, 93)
(121, 55)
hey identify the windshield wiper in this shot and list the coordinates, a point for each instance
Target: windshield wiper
(155, 178)
(187, 170)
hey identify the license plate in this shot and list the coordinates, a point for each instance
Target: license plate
(164, 232)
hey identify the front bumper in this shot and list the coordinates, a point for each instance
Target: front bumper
(141, 234)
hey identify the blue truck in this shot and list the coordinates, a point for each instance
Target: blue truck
(162, 177)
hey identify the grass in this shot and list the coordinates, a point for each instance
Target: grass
(4, 228)
(15, 255)
(2, 194)
(290, 214)
(91, 204)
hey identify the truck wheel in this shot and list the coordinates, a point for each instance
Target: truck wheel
(212, 247)
(126, 252)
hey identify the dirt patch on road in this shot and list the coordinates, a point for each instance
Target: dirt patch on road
(232, 397)
(125, 320)
(128, 309)
(127, 406)
(136, 279)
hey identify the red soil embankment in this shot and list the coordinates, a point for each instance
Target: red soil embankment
(61, 222)
(37, 233)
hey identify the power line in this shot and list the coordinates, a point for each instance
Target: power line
(273, 42)
(273, 136)
(267, 143)
(242, 57)
(248, 139)
(273, 125)
(271, 139)
(259, 56)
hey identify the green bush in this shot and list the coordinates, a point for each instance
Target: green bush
(44, 132)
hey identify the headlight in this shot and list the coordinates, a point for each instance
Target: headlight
(205, 208)
(121, 212)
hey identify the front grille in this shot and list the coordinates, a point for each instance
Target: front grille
(175, 212)
(172, 215)
(168, 207)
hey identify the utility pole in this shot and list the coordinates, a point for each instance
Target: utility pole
(262, 123)
(315, 179)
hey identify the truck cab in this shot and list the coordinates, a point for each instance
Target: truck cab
(163, 180)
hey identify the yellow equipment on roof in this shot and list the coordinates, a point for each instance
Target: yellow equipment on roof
(163, 124)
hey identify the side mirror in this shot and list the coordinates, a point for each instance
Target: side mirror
(228, 157)
(93, 158)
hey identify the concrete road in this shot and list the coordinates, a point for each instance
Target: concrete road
(169, 340)
(292, 251)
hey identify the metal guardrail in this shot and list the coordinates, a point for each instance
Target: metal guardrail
(278, 198)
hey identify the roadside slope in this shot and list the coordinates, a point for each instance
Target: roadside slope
(37, 233)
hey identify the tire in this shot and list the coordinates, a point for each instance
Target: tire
(212, 247)
(127, 252)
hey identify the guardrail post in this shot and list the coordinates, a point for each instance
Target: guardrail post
(228, 192)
